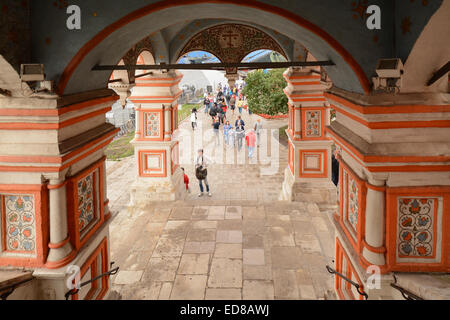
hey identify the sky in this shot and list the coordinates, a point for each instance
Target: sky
(213, 59)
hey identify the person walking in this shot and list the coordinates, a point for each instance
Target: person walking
(233, 103)
(216, 127)
(240, 132)
(240, 105)
(213, 112)
(232, 137)
(201, 172)
(206, 103)
(224, 109)
(250, 138)
(258, 128)
(194, 119)
(226, 132)
(220, 113)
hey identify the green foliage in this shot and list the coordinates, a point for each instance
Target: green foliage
(186, 111)
(264, 92)
(120, 148)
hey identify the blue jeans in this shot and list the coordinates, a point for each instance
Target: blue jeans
(216, 134)
(206, 108)
(206, 184)
(250, 151)
(239, 142)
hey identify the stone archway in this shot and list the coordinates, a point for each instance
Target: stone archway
(53, 146)
(319, 42)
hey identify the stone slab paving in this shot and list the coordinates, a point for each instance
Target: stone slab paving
(241, 243)
(218, 259)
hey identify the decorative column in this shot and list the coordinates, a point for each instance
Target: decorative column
(373, 248)
(394, 189)
(123, 89)
(308, 176)
(232, 76)
(159, 177)
(53, 189)
(61, 249)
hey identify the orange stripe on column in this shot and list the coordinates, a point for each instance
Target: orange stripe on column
(372, 109)
(50, 126)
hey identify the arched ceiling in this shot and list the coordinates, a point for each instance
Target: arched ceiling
(329, 29)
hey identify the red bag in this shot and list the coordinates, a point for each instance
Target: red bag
(247, 140)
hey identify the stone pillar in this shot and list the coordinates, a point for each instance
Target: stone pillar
(159, 177)
(53, 188)
(123, 89)
(61, 249)
(308, 177)
(373, 243)
(232, 76)
(394, 189)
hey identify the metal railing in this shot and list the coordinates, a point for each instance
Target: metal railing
(408, 295)
(106, 274)
(356, 285)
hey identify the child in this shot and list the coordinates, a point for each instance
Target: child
(186, 181)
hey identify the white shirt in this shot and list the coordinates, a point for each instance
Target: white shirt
(193, 117)
(203, 161)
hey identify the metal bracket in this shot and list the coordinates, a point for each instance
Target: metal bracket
(356, 285)
(106, 274)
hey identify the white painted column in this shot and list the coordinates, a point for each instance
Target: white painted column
(297, 122)
(137, 133)
(60, 246)
(375, 223)
(167, 123)
(105, 191)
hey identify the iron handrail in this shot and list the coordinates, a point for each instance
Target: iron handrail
(408, 295)
(106, 274)
(356, 285)
(8, 290)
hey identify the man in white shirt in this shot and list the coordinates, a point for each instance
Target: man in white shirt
(194, 119)
(201, 172)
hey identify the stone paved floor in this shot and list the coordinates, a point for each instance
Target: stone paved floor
(239, 244)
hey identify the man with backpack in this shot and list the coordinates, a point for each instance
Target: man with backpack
(213, 111)
(201, 172)
(221, 113)
(240, 132)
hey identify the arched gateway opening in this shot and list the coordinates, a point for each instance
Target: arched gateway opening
(273, 243)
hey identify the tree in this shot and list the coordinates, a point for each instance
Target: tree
(264, 92)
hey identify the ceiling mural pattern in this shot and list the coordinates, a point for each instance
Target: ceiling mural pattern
(230, 43)
(132, 55)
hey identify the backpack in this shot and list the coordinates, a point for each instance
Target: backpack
(212, 112)
(201, 172)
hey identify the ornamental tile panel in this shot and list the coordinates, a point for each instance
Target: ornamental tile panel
(312, 124)
(20, 223)
(415, 227)
(86, 207)
(152, 124)
(353, 205)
